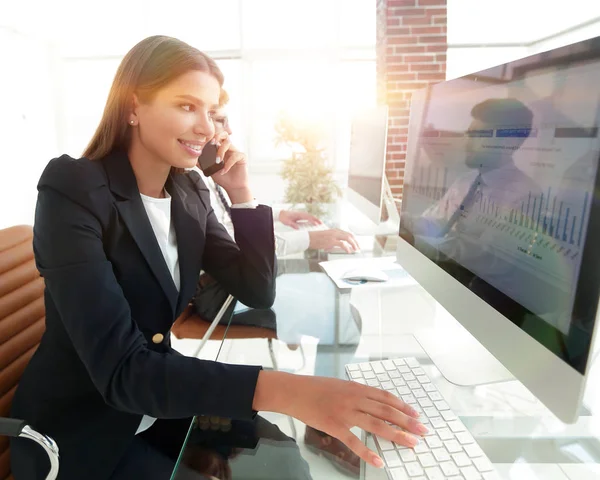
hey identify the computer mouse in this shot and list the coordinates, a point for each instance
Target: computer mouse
(365, 274)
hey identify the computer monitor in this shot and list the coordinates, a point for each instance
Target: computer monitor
(368, 190)
(500, 216)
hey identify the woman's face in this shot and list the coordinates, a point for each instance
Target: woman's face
(174, 126)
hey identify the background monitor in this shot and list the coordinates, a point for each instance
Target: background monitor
(366, 172)
(500, 217)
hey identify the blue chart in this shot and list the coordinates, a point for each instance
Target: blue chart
(431, 182)
(544, 220)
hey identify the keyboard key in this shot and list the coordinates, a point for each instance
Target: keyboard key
(409, 377)
(449, 415)
(423, 379)
(449, 469)
(419, 393)
(355, 374)
(365, 367)
(437, 422)
(425, 402)
(391, 458)
(470, 473)
(445, 433)
(465, 438)
(441, 405)
(383, 377)
(353, 366)
(429, 387)
(435, 396)
(431, 412)
(473, 450)
(412, 362)
(422, 447)
(399, 382)
(373, 382)
(404, 370)
(399, 362)
(409, 399)
(452, 446)
(369, 374)
(434, 473)
(399, 474)
(418, 371)
(441, 455)
(407, 455)
(362, 381)
(434, 441)
(413, 469)
(389, 365)
(377, 367)
(387, 385)
(426, 460)
(456, 426)
(395, 374)
(413, 384)
(483, 464)
(385, 444)
(461, 459)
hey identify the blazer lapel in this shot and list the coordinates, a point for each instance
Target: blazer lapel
(187, 212)
(122, 182)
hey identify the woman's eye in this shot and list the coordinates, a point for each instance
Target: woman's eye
(188, 107)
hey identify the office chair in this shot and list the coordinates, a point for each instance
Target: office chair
(22, 323)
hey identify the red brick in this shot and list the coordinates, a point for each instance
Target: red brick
(401, 3)
(425, 67)
(433, 39)
(403, 77)
(440, 20)
(419, 58)
(436, 11)
(409, 49)
(404, 40)
(436, 3)
(416, 21)
(425, 30)
(440, 57)
(436, 77)
(401, 12)
(400, 31)
(437, 48)
(395, 148)
(398, 68)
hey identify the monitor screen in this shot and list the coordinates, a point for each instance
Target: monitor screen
(368, 139)
(500, 184)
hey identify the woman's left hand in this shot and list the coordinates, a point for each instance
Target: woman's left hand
(233, 177)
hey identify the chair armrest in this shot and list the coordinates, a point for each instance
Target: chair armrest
(12, 427)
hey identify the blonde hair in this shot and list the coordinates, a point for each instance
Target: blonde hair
(148, 67)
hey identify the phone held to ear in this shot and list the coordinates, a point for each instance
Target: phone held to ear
(208, 160)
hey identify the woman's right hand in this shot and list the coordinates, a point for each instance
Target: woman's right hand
(335, 406)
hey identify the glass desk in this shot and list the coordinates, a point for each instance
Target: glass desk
(315, 328)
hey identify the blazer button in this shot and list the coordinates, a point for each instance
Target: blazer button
(158, 338)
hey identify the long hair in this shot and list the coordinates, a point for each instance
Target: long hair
(148, 66)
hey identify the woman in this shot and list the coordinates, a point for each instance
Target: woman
(120, 237)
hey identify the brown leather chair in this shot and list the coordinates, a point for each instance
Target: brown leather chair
(22, 323)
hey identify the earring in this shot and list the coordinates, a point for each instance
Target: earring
(131, 122)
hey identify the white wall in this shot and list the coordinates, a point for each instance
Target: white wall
(484, 33)
(27, 121)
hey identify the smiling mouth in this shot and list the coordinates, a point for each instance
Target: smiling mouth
(193, 146)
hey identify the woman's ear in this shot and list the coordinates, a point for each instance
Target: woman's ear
(133, 115)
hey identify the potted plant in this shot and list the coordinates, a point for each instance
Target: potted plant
(307, 172)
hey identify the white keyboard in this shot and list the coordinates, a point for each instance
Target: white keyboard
(309, 227)
(448, 451)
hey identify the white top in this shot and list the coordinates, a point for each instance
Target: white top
(159, 214)
(287, 243)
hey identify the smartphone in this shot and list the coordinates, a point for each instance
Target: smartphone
(208, 160)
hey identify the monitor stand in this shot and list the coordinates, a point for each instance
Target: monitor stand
(459, 357)
(391, 226)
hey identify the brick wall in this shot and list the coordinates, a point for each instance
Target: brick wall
(411, 53)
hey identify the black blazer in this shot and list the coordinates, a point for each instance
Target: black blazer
(108, 293)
